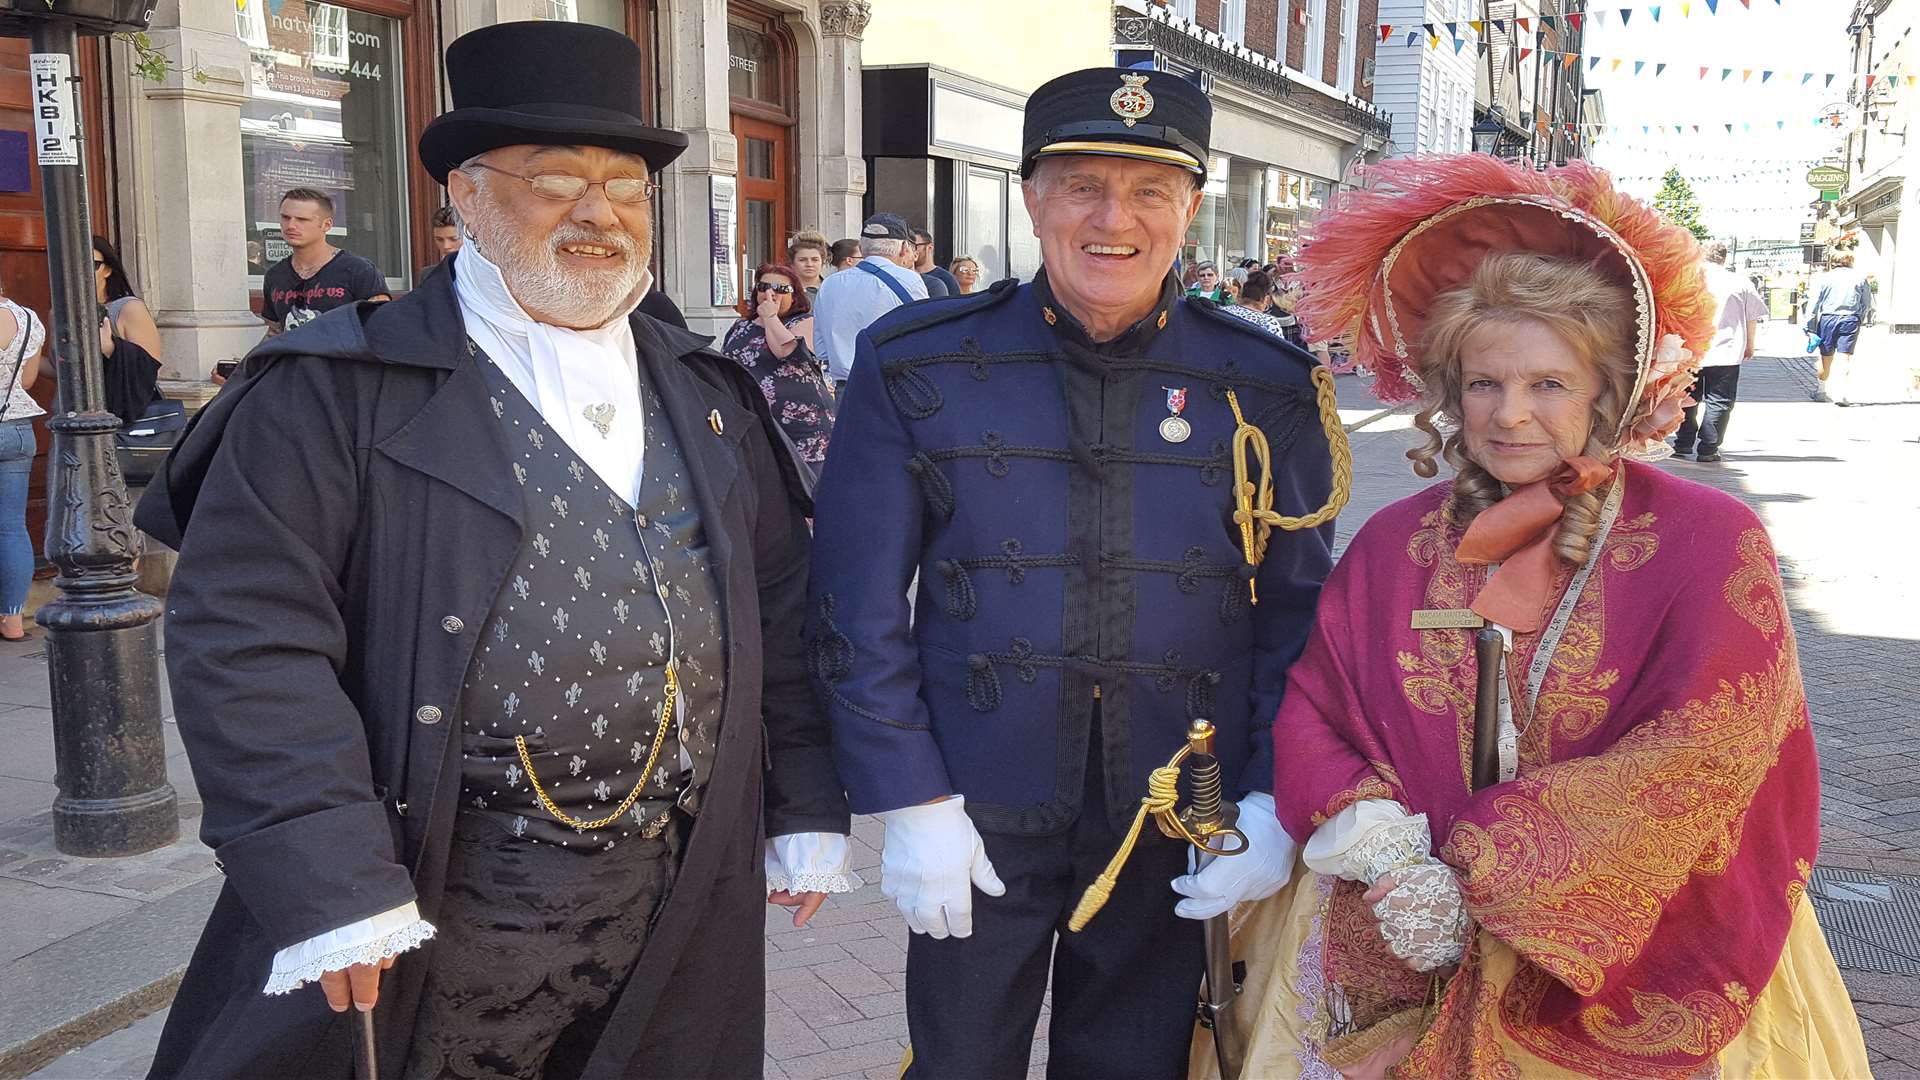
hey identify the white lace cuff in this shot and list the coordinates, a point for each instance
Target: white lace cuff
(368, 941)
(810, 862)
(1368, 839)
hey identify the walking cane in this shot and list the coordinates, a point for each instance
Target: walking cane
(1489, 646)
(366, 1060)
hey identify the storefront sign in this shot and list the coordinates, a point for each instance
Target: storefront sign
(721, 217)
(1806, 232)
(53, 110)
(1827, 178)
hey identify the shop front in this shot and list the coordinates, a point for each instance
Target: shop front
(943, 151)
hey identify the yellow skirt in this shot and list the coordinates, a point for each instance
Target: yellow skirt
(1802, 1026)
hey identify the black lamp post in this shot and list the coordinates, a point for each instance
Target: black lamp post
(110, 759)
(1488, 132)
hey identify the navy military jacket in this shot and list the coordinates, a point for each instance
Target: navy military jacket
(1065, 552)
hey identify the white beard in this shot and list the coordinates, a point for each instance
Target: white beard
(562, 295)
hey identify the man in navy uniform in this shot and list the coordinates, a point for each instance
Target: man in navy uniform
(1055, 462)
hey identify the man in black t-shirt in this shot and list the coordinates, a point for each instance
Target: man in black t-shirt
(317, 276)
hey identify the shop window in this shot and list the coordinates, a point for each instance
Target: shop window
(983, 229)
(611, 14)
(1349, 35)
(324, 110)
(1233, 21)
(1314, 64)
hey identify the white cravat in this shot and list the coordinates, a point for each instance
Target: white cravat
(584, 383)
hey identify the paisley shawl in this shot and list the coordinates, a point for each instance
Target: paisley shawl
(1635, 884)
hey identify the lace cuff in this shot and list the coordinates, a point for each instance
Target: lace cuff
(810, 862)
(368, 941)
(1368, 839)
(1424, 918)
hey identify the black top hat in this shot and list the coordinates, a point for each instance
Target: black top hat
(548, 84)
(1119, 112)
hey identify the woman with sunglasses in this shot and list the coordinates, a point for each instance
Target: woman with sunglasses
(775, 345)
(129, 338)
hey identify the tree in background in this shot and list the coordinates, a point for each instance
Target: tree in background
(1677, 203)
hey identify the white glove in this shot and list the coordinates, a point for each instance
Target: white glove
(1264, 869)
(929, 863)
(1423, 916)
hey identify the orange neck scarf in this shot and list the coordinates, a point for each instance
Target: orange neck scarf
(1517, 533)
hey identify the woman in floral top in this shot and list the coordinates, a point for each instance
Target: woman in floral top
(775, 344)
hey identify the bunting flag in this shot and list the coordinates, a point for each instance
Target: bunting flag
(1659, 70)
(1870, 79)
(1724, 72)
(1500, 25)
(1433, 42)
(1453, 29)
(1713, 7)
(1746, 74)
(1655, 12)
(1567, 60)
(1522, 24)
(1457, 44)
(1573, 20)
(1686, 10)
(1703, 73)
(1599, 18)
(1807, 78)
(1428, 27)
(1764, 76)
(1625, 14)
(1449, 31)
(1477, 25)
(1524, 53)
(1615, 65)
(1592, 62)
(1411, 38)
(1637, 65)
(1829, 80)
(1386, 31)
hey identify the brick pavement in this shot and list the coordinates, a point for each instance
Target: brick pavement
(1834, 487)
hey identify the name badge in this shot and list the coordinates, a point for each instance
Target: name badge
(1447, 619)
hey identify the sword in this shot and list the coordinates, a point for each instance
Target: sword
(1206, 816)
(1488, 648)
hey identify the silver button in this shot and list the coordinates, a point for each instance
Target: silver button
(640, 520)
(452, 624)
(427, 714)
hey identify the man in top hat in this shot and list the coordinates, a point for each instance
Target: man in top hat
(1055, 463)
(488, 665)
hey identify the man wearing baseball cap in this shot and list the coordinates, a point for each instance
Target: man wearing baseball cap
(882, 280)
(1054, 462)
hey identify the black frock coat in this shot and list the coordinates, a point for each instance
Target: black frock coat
(346, 517)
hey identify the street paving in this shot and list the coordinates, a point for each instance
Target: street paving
(1834, 486)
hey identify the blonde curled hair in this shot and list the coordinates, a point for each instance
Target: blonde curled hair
(1593, 315)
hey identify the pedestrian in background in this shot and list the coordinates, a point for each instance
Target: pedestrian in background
(773, 341)
(807, 253)
(843, 254)
(882, 280)
(1739, 311)
(1842, 304)
(446, 231)
(966, 272)
(939, 281)
(1206, 283)
(315, 276)
(129, 338)
(24, 338)
(1252, 304)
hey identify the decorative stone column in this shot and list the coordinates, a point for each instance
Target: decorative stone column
(693, 76)
(181, 194)
(837, 159)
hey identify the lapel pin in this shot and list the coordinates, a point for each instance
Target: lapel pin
(1175, 428)
(713, 421)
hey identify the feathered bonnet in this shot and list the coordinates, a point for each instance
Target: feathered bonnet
(1374, 263)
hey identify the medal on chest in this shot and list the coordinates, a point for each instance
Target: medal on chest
(1175, 428)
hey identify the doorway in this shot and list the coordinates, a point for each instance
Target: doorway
(765, 209)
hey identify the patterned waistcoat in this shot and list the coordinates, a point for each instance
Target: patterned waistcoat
(574, 661)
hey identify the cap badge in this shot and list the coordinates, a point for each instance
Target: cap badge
(1131, 102)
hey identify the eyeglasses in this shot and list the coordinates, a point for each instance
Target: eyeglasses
(768, 286)
(563, 187)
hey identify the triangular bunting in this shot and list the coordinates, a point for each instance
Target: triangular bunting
(1615, 66)
(1729, 129)
(1807, 78)
(1524, 53)
(1386, 31)
(1567, 61)
(1458, 44)
(1686, 11)
(1477, 26)
(1829, 80)
(1411, 38)
(1428, 27)
(1453, 29)
(1654, 10)
(1912, 79)
(1713, 7)
(1637, 66)
(1500, 26)
(1870, 79)
(1746, 74)
(1573, 20)
(1764, 76)
(1548, 22)
(1599, 18)
(1523, 25)
(1659, 70)
(1433, 42)
(1724, 72)
(1592, 62)
(1703, 73)
(1625, 14)
(1780, 124)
